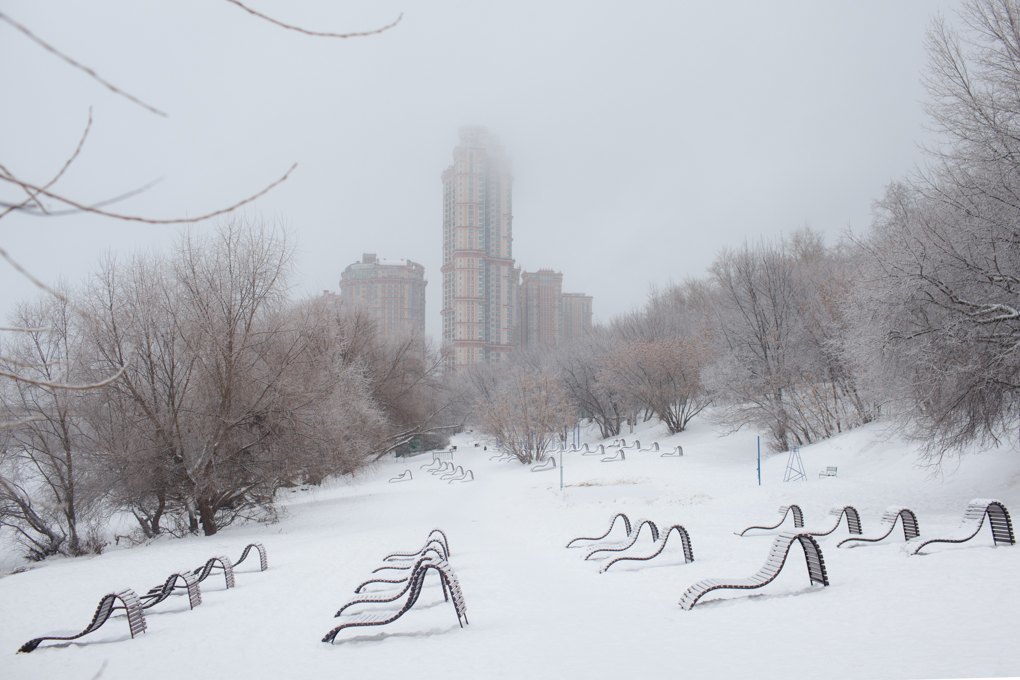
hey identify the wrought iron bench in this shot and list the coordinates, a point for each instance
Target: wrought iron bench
(853, 520)
(632, 539)
(685, 540)
(773, 565)
(907, 518)
(973, 519)
(157, 594)
(107, 606)
(798, 519)
(828, 472)
(451, 591)
(612, 524)
(616, 457)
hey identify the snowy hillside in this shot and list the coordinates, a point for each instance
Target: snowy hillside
(539, 610)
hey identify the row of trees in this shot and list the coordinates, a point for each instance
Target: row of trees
(226, 391)
(918, 319)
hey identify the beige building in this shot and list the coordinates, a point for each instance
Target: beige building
(392, 291)
(540, 315)
(575, 316)
(479, 277)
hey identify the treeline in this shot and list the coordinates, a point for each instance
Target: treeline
(918, 319)
(223, 391)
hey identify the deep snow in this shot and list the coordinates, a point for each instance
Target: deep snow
(537, 609)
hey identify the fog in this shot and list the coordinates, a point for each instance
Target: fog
(644, 138)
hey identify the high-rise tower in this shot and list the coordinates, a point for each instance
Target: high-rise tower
(479, 278)
(393, 292)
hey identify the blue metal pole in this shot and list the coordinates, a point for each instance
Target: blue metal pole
(759, 460)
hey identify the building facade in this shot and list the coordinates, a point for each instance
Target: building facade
(393, 292)
(575, 316)
(480, 281)
(540, 308)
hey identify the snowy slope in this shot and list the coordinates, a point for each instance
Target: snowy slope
(538, 610)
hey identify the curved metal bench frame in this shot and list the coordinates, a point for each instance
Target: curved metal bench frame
(685, 539)
(678, 452)
(798, 519)
(907, 519)
(392, 597)
(432, 545)
(437, 551)
(853, 520)
(157, 594)
(465, 476)
(107, 605)
(633, 539)
(654, 448)
(974, 518)
(617, 457)
(451, 590)
(769, 571)
(600, 450)
(612, 524)
(225, 565)
(263, 561)
(404, 476)
(457, 471)
(548, 464)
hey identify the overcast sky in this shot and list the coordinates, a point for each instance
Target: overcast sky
(644, 136)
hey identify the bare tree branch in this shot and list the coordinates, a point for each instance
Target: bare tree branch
(317, 34)
(81, 67)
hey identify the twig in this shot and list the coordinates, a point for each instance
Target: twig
(7, 177)
(29, 210)
(64, 386)
(81, 67)
(317, 34)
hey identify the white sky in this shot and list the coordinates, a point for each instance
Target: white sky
(645, 136)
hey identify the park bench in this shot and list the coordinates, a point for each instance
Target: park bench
(798, 519)
(973, 519)
(853, 520)
(410, 595)
(404, 476)
(828, 472)
(157, 594)
(619, 456)
(436, 539)
(627, 544)
(685, 541)
(675, 453)
(548, 464)
(462, 476)
(107, 606)
(654, 448)
(225, 565)
(773, 565)
(907, 518)
(263, 561)
(600, 450)
(612, 524)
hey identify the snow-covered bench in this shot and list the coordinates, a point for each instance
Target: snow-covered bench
(617, 457)
(411, 593)
(612, 524)
(830, 471)
(973, 519)
(404, 476)
(632, 539)
(437, 536)
(685, 540)
(798, 519)
(225, 565)
(678, 452)
(853, 520)
(773, 565)
(907, 518)
(600, 450)
(157, 594)
(263, 562)
(107, 605)
(548, 464)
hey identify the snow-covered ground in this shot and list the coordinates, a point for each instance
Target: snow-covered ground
(538, 610)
